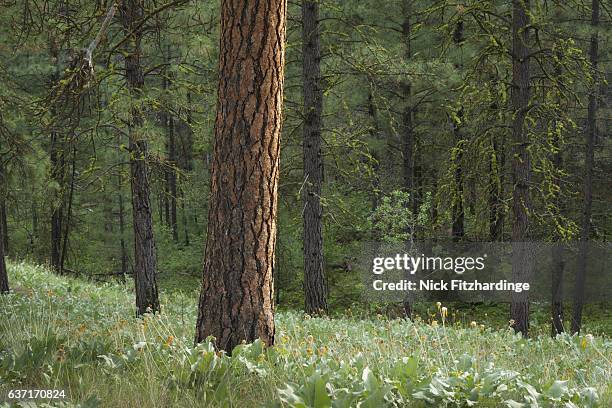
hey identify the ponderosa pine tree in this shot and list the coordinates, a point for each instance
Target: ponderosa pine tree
(407, 129)
(236, 300)
(315, 284)
(4, 283)
(132, 14)
(587, 206)
(521, 167)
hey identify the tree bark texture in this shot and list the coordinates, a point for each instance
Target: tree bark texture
(458, 211)
(236, 300)
(144, 245)
(4, 283)
(521, 168)
(315, 283)
(496, 189)
(589, 160)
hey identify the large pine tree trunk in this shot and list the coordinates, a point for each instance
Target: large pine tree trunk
(144, 245)
(236, 301)
(589, 161)
(521, 168)
(315, 285)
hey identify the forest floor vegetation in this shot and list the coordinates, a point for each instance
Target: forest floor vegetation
(65, 333)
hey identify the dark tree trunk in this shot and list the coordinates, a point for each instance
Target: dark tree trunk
(57, 162)
(556, 304)
(496, 191)
(185, 219)
(4, 283)
(166, 196)
(4, 225)
(407, 129)
(57, 210)
(521, 168)
(169, 124)
(458, 212)
(236, 301)
(172, 177)
(123, 255)
(558, 254)
(68, 211)
(588, 177)
(315, 284)
(144, 245)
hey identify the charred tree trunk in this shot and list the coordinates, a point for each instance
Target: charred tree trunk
(521, 167)
(236, 301)
(588, 177)
(315, 284)
(132, 13)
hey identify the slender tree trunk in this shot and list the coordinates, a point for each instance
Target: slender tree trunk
(556, 304)
(4, 283)
(68, 211)
(166, 196)
(588, 177)
(315, 284)
(4, 224)
(169, 124)
(408, 136)
(57, 209)
(558, 253)
(458, 211)
(172, 177)
(236, 301)
(185, 219)
(132, 13)
(521, 168)
(496, 190)
(124, 255)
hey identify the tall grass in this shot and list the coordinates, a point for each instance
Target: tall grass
(64, 333)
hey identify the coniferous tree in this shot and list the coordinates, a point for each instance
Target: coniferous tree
(145, 279)
(315, 284)
(236, 300)
(521, 167)
(589, 164)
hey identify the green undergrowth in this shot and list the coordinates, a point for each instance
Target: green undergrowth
(64, 333)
